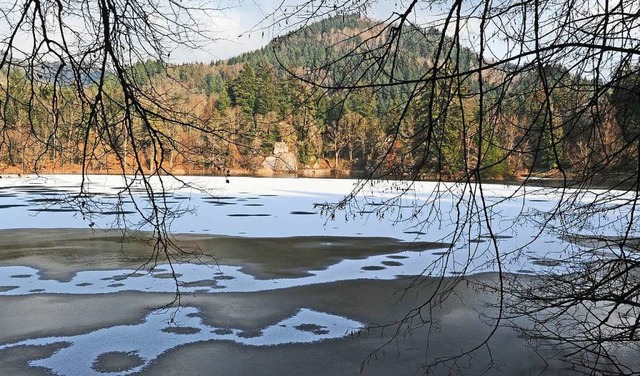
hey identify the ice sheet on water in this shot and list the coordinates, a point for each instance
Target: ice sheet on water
(201, 278)
(426, 211)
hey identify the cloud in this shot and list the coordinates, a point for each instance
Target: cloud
(230, 33)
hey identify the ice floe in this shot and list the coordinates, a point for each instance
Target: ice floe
(163, 330)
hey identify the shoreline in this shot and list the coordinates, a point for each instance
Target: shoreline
(541, 179)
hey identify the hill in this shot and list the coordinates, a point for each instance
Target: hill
(382, 111)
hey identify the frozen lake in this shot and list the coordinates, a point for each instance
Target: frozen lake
(441, 230)
(528, 224)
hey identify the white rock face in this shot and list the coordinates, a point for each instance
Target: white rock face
(282, 159)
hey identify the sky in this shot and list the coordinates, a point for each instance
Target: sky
(237, 26)
(231, 30)
(249, 25)
(232, 26)
(245, 26)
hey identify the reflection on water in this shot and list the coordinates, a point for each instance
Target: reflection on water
(135, 346)
(264, 208)
(22, 280)
(199, 278)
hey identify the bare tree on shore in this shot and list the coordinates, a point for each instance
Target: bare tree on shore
(76, 89)
(569, 68)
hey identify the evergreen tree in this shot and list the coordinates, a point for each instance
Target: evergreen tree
(244, 90)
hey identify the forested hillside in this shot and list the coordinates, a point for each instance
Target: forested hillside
(236, 111)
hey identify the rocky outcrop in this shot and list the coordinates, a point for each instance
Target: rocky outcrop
(282, 160)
